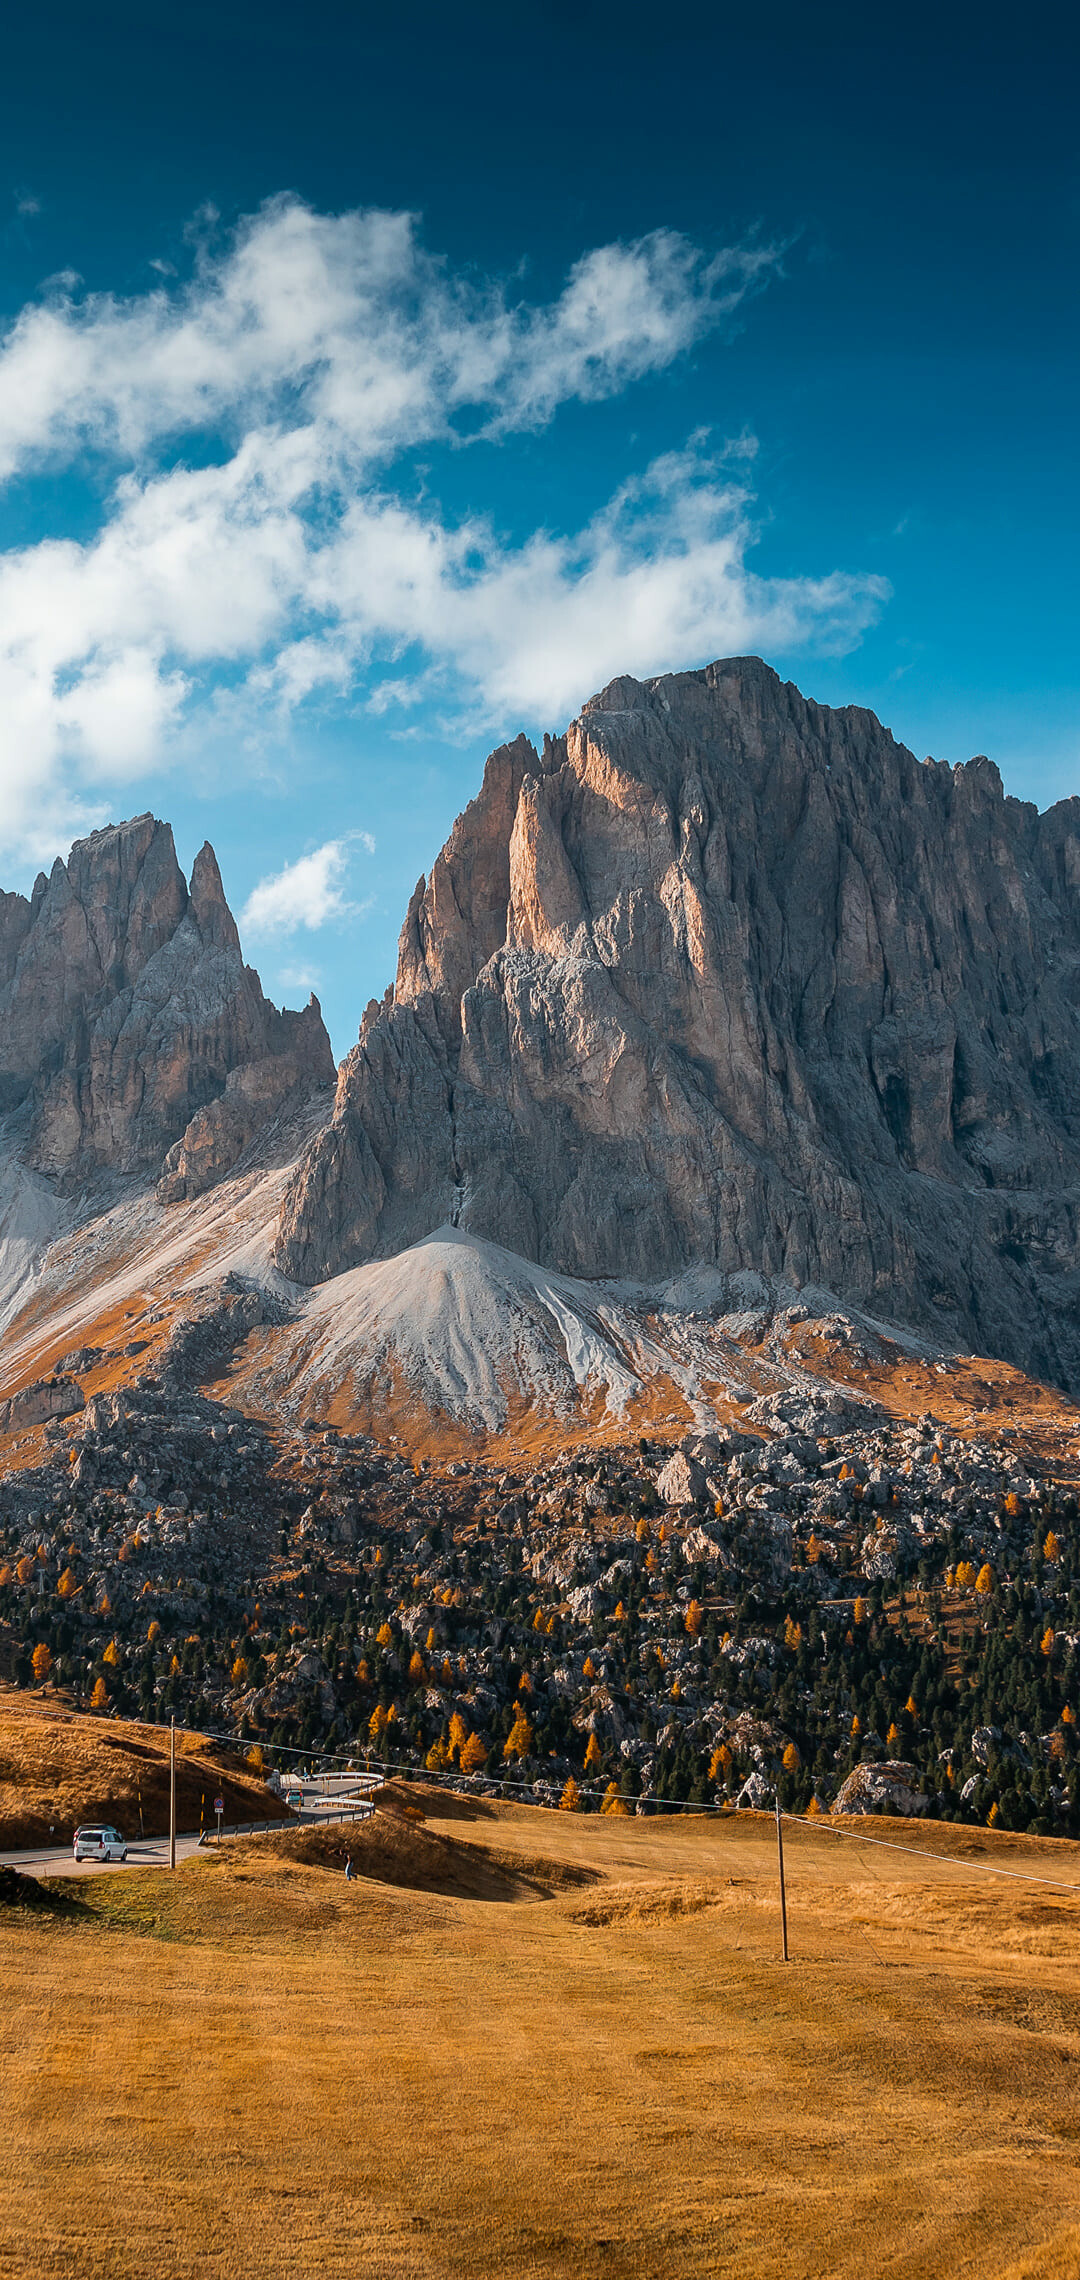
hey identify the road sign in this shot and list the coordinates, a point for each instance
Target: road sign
(219, 1804)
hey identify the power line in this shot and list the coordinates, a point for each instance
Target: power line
(498, 1782)
(828, 1828)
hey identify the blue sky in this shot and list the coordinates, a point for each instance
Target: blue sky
(377, 383)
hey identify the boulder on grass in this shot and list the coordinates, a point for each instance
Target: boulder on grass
(891, 1787)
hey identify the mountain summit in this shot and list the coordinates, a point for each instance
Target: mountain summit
(133, 1038)
(724, 975)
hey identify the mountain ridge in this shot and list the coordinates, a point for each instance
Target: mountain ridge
(725, 975)
(133, 1038)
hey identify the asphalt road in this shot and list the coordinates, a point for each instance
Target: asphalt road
(146, 1852)
(59, 1860)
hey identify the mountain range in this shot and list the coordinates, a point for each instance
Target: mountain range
(722, 1001)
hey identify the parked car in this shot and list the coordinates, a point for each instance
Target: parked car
(99, 1843)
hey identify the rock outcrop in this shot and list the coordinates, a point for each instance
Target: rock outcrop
(725, 975)
(129, 1023)
(59, 1396)
(891, 1787)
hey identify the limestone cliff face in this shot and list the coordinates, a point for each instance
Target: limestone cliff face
(726, 975)
(126, 1011)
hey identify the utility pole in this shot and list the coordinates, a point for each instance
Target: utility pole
(172, 1799)
(780, 1860)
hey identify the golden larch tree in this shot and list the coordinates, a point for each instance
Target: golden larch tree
(611, 1801)
(519, 1741)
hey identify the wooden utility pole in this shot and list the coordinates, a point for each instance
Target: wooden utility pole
(783, 1894)
(172, 1797)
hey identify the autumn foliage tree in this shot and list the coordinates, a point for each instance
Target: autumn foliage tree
(592, 1753)
(474, 1755)
(570, 1801)
(519, 1741)
(99, 1700)
(42, 1664)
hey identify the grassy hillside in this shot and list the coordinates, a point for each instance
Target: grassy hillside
(527, 2043)
(57, 1769)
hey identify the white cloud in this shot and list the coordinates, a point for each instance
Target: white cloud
(307, 893)
(348, 322)
(305, 358)
(297, 981)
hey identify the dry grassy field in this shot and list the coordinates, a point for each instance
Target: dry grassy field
(530, 2044)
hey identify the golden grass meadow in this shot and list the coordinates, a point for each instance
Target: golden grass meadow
(531, 2043)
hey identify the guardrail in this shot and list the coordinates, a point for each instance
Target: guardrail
(278, 1828)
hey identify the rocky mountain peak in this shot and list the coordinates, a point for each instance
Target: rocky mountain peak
(725, 975)
(207, 903)
(126, 1009)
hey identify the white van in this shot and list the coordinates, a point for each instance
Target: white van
(100, 1843)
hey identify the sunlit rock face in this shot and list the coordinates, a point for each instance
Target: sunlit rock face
(725, 975)
(126, 1011)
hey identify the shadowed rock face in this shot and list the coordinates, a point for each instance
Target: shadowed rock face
(126, 1011)
(725, 975)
